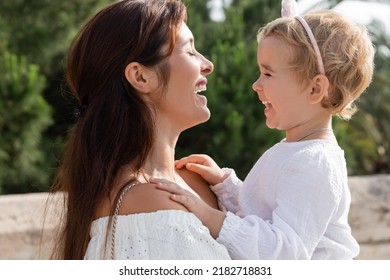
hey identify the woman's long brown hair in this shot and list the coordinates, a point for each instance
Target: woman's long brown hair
(117, 127)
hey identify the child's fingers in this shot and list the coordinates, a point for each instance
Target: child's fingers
(195, 158)
(202, 170)
(179, 194)
(168, 186)
(180, 163)
(183, 200)
(160, 180)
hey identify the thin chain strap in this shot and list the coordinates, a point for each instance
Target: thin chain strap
(115, 218)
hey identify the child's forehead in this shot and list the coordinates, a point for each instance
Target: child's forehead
(273, 50)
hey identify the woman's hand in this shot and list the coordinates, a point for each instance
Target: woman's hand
(204, 165)
(210, 217)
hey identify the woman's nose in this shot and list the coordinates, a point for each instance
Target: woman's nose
(207, 66)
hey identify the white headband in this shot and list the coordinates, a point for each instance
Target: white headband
(289, 8)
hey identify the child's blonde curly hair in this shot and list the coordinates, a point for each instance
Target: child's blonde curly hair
(346, 50)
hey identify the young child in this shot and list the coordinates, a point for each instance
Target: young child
(294, 203)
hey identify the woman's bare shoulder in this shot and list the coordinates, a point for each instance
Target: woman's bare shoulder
(200, 186)
(146, 198)
(141, 198)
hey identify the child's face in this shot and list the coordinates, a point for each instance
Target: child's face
(285, 99)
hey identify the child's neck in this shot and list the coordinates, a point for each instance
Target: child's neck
(320, 133)
(321, 129)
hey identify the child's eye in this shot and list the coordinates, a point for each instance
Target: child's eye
(191, 53)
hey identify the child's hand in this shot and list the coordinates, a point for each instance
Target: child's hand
(210, 217)
(204, 165)
(193, 203)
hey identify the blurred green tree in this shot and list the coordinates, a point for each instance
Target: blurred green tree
(39, 33)
(371, 126)
(25, 114)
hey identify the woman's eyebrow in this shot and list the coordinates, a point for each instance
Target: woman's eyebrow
(190, 41)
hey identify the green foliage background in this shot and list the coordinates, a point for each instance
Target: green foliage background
(36, 110)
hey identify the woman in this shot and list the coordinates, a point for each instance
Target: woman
(136, 74)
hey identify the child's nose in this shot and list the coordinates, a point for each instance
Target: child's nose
(256, 86)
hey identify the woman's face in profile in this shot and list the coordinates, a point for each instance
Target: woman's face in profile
(184, 103)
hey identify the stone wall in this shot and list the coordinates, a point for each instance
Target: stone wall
(21, 226)
(21, 219)
(370, 215)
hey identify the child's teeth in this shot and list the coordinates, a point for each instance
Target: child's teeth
(265, 103)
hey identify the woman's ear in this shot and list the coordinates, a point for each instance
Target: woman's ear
(140, 77)
(320, 89)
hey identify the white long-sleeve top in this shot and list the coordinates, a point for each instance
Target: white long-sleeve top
(293, 204)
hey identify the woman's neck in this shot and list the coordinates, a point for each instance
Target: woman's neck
(161, 160)
(160, 164)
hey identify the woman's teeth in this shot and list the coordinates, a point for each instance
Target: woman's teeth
(200, 88)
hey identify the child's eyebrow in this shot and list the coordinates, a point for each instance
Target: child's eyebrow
(266, 67)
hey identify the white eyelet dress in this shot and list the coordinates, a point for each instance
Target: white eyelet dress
(161, 235)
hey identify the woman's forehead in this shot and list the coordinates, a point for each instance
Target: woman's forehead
(185, 35)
